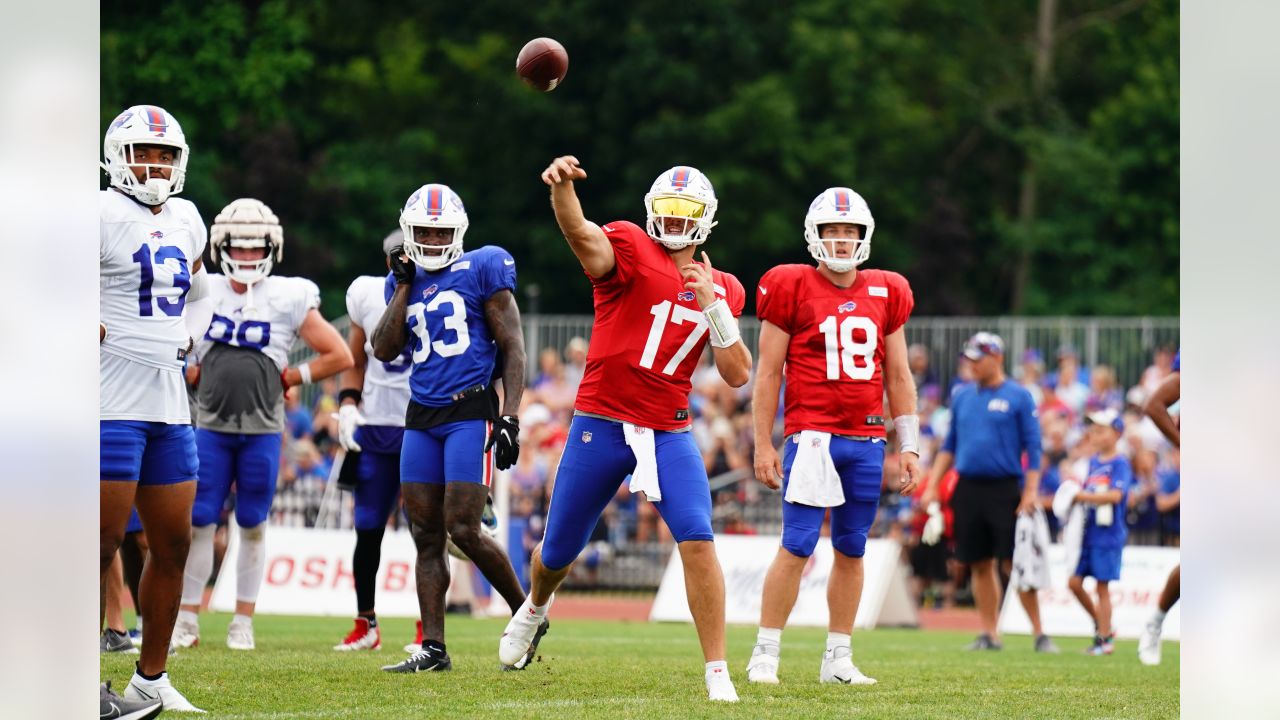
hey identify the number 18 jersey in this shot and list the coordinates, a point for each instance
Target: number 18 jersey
(834, 367)
(648, 334)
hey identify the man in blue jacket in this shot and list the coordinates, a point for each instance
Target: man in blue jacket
(993, 423)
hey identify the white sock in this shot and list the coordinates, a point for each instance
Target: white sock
(717, 667)
(835, 640)
(139, 625)
(769, 636)
(188, 616)
(199, 565)
(538, 610)
(1158, 618)
(250, 563)
(242, 619)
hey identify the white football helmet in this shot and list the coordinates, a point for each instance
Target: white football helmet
(839, 205)
(246, 223)
(144, 125)
(436, 206)
(685, 193)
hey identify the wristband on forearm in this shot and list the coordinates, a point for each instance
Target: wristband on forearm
(351, 393)
(304, 374)
(723, 326)
(907, 428)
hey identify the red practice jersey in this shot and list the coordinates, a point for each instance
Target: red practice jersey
(648, 334)
(834, 368)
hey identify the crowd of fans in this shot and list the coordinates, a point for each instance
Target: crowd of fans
(1064, 392)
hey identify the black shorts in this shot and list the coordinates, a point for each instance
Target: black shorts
(985, 512)
(929, 562)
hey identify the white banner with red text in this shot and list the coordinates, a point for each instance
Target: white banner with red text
(745, 560)
(1143, 571)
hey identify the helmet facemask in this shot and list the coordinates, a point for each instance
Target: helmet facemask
(247, 272)
(681, 193)
(246, 223)
(818, 249)
(428, 256)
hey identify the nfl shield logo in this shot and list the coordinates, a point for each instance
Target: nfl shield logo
(815, 442)
(586, 437)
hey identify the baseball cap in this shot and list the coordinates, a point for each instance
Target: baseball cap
(393, 241)
(982, 344)
(1032, 355)
(1108, 417)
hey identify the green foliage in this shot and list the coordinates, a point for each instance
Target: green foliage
(649, 670)
(333, 113)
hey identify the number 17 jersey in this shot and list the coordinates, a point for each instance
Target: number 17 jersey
(648, 334)
(834, 367)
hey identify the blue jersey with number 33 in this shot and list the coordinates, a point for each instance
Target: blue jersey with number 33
(451, 346)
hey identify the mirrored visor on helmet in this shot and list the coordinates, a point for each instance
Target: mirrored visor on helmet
(678, 207)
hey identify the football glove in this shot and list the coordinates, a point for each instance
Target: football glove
(506, 437)
(349, 418)
(349, 471)
(401, 267)
(934, 526)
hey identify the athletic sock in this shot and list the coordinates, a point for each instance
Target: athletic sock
(769, 636)
(835, 640)
(199, 564)
(433, 645)
(1158, 617)
(149, 678)
(250, 562)
(364, 566)
(188, 616)
(373, 620)
(717, 667)
(244, 619)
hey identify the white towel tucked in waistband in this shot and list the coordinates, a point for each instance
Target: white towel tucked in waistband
(814, 480)
(645, 477)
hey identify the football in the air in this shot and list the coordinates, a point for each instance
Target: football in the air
(542, 64)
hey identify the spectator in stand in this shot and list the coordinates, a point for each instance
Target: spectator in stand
(1142, 517)
(918, 361)
(963, 376)
(1031, 373)
(575, 354)
(1104, 392)
(1067, 384)
(932, 564)
(297, 418)
(1053, 406)
(1169, 500)
(552, 387)
(1159, 369)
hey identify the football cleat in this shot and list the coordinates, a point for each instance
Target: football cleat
(141, 689)
(186, 633)
(423, 660)
(1045, 644)
(113, 707)
(984, 642)
(720, 687)
(1100, 646)
(115, 642)
(240, 635)
(417, 641)
(521, 637)
(763, 667)
(1149, 644)
(838, 667)
(361, 637)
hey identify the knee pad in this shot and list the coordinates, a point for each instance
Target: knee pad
(799, 542)
(852, 544)
(206, 512)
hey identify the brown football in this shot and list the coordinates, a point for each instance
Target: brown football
(542, 64)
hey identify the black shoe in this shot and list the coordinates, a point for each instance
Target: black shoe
(422, 660)
(115, 642)
(111, 705)
(533, 648)
(984, 642)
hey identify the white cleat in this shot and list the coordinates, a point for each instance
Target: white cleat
(240, 635)
(521, 637)
(1149, 644)
(763, 667)
(720, 687)
(186, 633)
(838, 667)
(144, 690)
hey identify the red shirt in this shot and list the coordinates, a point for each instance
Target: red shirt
(834, 368)
(648, 334)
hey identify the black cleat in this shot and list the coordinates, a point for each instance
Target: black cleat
(115, 642)
(533, 648)
(422, 660)
(111, 705)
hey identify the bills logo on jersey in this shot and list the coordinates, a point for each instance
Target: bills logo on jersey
(685, 296)
(998, 405)
(428, 292)
(849, 306)
(157, 234)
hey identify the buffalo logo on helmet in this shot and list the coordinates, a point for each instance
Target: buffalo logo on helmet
(121, 119)
(849, 306)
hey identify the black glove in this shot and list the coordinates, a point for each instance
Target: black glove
(349, 473)
(402, 267)
(506, 435)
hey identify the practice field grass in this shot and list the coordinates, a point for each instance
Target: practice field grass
(592, 669)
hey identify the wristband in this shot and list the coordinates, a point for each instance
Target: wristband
(304, 373)
(907, 428)
(724, 328)
(351, 393)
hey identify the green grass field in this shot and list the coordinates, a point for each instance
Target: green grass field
(591, 669)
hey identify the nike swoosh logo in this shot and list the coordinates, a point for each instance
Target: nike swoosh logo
(607, 229)
(763, 290)
(508, 262)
